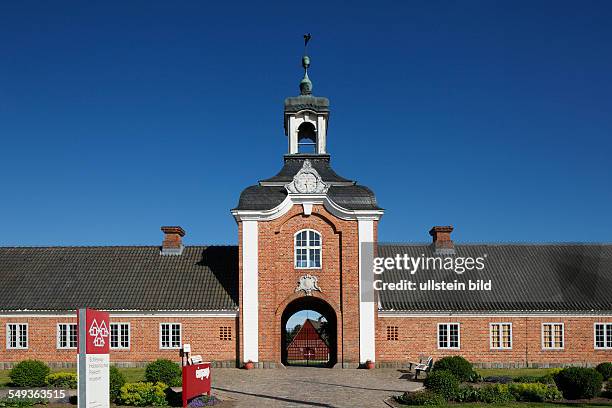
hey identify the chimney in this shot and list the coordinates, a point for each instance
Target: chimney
(172, 244)
(442, 242)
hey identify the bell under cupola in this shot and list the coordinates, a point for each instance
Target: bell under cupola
(306, 116)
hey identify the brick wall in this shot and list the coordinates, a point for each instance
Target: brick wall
(202, 333)
(418, 335)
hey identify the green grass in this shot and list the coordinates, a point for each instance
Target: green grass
(131, 374)
(514, 372)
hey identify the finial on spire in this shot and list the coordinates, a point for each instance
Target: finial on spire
(305, 83)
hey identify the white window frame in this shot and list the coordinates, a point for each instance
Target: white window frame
(607, 327)
(501, 339)
(308, 247)
(544, 347)
(57, 336)
(448, 340)
(8, 339)
(180, 325)
(119, 333)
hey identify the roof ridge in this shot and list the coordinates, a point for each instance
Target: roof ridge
(108, 246)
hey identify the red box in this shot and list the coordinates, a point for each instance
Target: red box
(196, 381)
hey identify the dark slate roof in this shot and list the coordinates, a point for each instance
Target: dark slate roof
(295, 104)
(270, 192)
(118, 278)
(525, 277)
(294, 162)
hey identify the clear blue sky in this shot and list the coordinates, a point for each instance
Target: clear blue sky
(119, 117)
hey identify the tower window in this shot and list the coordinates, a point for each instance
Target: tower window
(307, 138)
(308, 249)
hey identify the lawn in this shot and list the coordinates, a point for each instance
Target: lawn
(514, 372)
(131, 374)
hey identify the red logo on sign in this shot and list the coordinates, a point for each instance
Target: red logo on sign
(97, 325)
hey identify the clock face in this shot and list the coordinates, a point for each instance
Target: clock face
(306, 183)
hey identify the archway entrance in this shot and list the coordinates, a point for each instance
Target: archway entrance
(314, 342)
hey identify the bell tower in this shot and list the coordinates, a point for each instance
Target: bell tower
(306, 116)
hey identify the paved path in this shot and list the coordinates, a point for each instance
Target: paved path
(309, 387)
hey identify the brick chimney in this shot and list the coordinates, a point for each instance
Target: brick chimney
(173, 243)
(442, 242)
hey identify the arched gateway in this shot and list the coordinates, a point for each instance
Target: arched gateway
(302, 235)
(313, 346)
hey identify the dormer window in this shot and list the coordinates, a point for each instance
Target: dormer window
(307, 249)
(307, 138)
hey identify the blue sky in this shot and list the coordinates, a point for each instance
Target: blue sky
(119, 117)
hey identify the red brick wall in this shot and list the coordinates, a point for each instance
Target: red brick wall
(201, 333)
(418, 335)
(338, 278)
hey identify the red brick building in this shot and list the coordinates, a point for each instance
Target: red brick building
(308, 240)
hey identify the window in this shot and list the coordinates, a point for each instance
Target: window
(552, 336)
(225, 333)
(307, 138)
(120, 335)
(448, 335)
(66, 336)
(501, 335)
(603, 335)
(170, 335)
(308, 249)
(16, 335)
(392, 333)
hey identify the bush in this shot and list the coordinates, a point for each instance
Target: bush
(21, 402)
(421, 398)
(608, 392)
(544, 379)
(459, 366)
(163, 370)
(577, 382)
(29, 373)
(143, 394)
(62, 380)
(500, 379)
(116, 381)
(495, 394)
(535, 392)
(605, 369)
(442, 382)
(467, 393)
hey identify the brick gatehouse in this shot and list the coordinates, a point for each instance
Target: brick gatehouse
(303, 239)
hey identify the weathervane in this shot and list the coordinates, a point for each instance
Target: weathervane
(305, 83)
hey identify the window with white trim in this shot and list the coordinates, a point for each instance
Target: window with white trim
(120, 336)
(603, 335)
(552, 336)
(16, 335)
(448, 335)
(170, 335)
(501, 335)
(66, 335)
(307, 249)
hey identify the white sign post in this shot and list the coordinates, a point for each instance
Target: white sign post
(93, 361)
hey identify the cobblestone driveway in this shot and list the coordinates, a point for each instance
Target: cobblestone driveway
(309, 387)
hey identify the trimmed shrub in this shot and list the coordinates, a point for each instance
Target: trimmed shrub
(116, 380)
(535, 392)
(163, 370)
(578, 382)
(421, 398)
(495, 394)
(143, 394)
(29, 373)
(459, 366)
(605, 369)
(62, 380)
(442, 382)
(499, 379)
(467, 393)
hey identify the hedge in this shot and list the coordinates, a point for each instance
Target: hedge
(578, 382)
(62, 380)
(421, 398)
(442, 382)
(116, 381)
(164, 370)
(29, 373)
(459, 366)
(143, 394)
(605, 369)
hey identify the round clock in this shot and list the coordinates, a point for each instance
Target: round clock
(306, 183)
